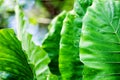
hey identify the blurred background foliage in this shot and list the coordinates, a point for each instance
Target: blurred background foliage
(39, 13)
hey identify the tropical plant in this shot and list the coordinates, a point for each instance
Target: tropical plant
(82, 44)
(99, 43)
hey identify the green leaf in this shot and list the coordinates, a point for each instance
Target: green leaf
(70, 65)
(51, 42)
(13, 61)
(80, 6)
(69, 62)
(37, 57)
(100, 41)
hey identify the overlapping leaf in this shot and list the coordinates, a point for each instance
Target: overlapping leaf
(69, 62)
(36, 55)
(13, 62)
(70, 65)
(100, 41)
(51, 42)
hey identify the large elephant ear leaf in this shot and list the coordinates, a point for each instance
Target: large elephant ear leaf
(36, 55)
(69, 61)
(100, 41)
(51, 42)
(13, 62)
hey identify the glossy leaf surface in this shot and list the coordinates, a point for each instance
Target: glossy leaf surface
(13, 62)
(100, 41)
(69, 62)
(51, 42)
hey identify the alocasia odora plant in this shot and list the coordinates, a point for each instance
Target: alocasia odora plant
(69, 44)
(51, 42)
(100, 41)
(82, 44)
(13, 61)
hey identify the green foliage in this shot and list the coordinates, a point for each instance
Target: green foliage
(82, 44)
(99, 44)
(80, 6)
(69, 62)
(69, 44)
(51, 42)
(13, 61)
(37, 57)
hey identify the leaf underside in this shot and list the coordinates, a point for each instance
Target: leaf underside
(37, 57)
